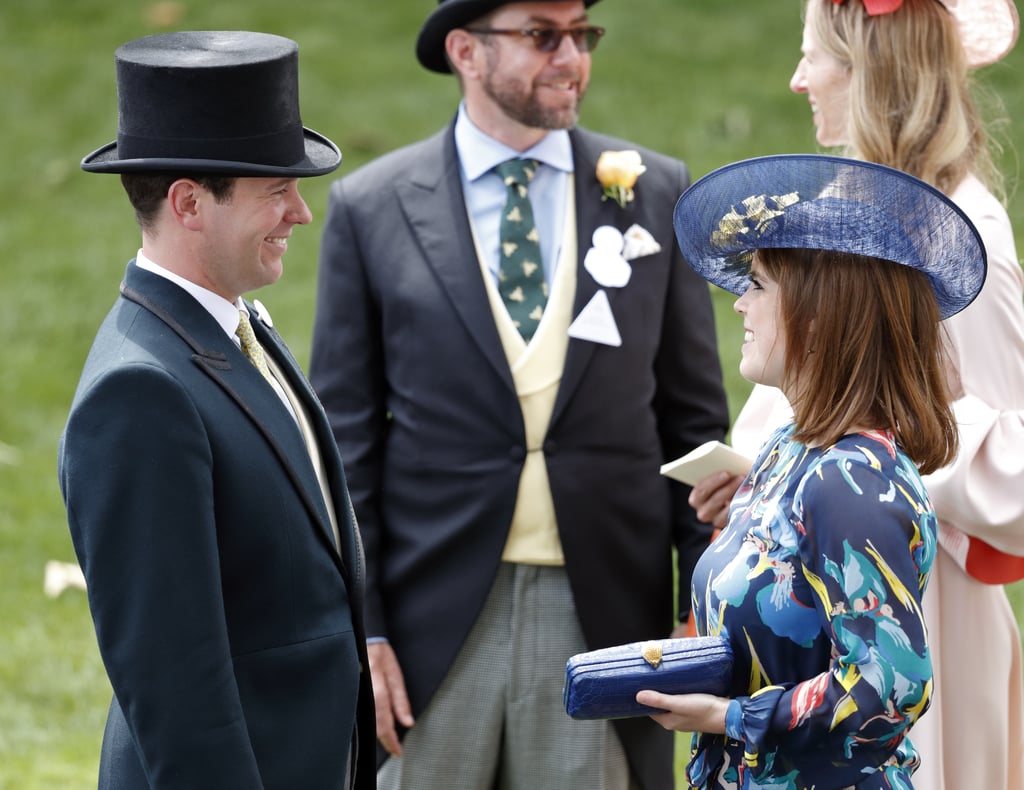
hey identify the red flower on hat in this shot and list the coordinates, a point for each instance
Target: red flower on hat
(877, 7)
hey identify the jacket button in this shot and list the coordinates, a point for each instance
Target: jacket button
(550, 447)
(517, 453)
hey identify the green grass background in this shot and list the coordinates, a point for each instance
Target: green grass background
(703, 80)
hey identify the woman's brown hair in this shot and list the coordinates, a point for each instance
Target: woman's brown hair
(864, 349)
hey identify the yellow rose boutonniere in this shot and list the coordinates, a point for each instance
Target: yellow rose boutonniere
(618, 171)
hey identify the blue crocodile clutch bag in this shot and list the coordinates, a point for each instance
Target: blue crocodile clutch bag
(602, 684)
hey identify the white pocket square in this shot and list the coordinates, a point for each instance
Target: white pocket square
(638, 243)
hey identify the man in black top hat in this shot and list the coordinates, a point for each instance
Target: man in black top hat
(204, 491)
(507, 353)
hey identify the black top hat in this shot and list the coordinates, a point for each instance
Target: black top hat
(223, 102)
(449, 15)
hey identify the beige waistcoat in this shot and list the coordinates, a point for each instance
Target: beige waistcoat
(537, 372)
(309, 436)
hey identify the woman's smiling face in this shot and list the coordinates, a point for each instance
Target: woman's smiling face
(764, 342)
(826, 81)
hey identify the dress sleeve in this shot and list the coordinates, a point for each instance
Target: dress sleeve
(979, 493)
(867, 540)
(765, 410)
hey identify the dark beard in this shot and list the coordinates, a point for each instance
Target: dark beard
(526, 110)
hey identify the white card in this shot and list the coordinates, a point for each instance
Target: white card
(596, 322)
(702, 461)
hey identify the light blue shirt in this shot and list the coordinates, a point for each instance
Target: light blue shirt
(486, 193)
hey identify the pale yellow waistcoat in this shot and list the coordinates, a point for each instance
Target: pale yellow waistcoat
(309, 436)
(537, 372)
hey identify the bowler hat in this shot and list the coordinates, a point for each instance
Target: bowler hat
(222, 102)
(449, 15)
(820, 202)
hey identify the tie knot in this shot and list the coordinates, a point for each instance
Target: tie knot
(250, 346)
(517, 171)
(244, 330)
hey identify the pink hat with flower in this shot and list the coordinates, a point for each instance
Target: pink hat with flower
(988, 28)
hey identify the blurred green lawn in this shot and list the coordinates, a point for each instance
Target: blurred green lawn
(703, 80)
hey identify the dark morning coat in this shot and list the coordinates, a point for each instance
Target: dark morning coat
(408, 362)
(229, 625)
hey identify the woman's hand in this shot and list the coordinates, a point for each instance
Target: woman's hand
(687, 712)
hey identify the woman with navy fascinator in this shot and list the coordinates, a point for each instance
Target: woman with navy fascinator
(844, 270)
(894, 82)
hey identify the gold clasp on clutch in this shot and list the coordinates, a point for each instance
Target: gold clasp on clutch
(652, 653)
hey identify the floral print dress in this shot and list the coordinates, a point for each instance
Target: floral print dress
(817, 581)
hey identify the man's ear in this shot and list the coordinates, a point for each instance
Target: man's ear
(462, 48)
(185, 199)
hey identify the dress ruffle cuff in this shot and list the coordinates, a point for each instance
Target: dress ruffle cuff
(748, 720)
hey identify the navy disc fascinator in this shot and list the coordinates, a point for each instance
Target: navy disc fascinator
(820, 202)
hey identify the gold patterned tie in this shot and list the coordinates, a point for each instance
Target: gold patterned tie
(521, 275)
(250, 347)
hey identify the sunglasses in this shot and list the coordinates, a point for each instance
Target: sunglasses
(548, 39)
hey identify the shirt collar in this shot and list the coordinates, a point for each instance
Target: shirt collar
(223, 312)
(479, 152)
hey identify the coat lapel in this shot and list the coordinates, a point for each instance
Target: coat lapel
(215, 354)
(591, 213)
(434, 205)
(274, 344)
(435, 208)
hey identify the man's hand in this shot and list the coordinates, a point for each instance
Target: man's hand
(389, 695)
(712, 495)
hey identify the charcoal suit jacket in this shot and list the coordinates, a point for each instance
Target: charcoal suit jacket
(409, 365)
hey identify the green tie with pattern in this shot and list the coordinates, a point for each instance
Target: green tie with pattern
(521, 275)
(250, 347)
